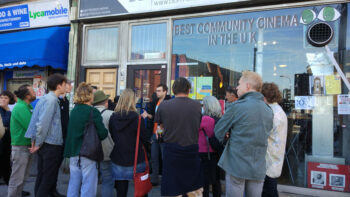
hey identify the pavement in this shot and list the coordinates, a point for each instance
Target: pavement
(63, 180)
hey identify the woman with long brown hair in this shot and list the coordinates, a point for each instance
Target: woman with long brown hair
(123, 126)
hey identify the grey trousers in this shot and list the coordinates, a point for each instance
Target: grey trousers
(21, 160)
(236, 187)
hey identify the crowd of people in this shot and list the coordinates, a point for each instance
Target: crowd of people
(194, 145)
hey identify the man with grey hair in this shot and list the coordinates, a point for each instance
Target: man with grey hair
(249, 121)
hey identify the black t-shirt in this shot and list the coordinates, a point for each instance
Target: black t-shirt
(181, 118)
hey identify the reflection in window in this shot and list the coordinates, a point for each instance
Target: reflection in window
(102, 44)
(148, 41)
(213, 51)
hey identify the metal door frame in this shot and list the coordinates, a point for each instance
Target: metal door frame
(131, 73)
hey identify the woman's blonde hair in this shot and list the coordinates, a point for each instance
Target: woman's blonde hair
(83, 93)
(126, 102)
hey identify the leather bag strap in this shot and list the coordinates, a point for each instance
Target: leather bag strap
(137, 147)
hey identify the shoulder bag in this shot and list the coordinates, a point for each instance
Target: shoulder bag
(214, 143)
(91, 147)
(142, 180)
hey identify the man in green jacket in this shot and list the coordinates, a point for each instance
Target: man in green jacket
(20, 156)
(249, 121)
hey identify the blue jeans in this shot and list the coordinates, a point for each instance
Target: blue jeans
(156, 151)
(83, 178)
(107, 179)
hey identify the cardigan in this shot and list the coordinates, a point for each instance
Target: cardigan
(207, 125)
(76, 126)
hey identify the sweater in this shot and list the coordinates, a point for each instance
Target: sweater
(182, 171)
(123, 129)
(76, 126)
(20, 119)
(107, 144)
(207, 124)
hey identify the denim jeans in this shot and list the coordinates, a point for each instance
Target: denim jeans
(83, 178)
(107, 189)
(156, 151)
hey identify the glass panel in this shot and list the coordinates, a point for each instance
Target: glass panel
(145, 83)
(102, 44)
(148, 41)
(213, 51)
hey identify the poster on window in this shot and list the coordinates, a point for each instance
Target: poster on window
(39, 87)
(193, 81)
(343, 104)
(204, 87)
(304, 102)
(329, 176)
(317, 85)
(332, 84)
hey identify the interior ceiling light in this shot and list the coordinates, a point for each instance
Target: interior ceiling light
(283, 66)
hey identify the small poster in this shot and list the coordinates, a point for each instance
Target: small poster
(333, 84)
(193, 81)
(204, 87)
(317, 85)
(171, 87)
(39, 87)
(329, 176)
(343, 104)
(304, 102)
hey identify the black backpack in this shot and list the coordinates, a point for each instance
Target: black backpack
(91, 147)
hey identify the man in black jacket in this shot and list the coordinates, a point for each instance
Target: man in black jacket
(64, 106)
(156, 148)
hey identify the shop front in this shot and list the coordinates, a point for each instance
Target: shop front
(284, 43)
(31, 49)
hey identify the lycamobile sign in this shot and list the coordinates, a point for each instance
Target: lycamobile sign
(49, 13)
(34, 14)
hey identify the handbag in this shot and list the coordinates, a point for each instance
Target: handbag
(214, 143)
(91, 147)
(142, 180)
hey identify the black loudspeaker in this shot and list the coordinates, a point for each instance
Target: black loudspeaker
(320, 34)
(301, 84)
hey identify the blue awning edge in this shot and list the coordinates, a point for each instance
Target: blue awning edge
(38, 47)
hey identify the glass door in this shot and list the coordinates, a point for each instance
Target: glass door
(144, 81)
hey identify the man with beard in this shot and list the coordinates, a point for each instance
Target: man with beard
(21, 157)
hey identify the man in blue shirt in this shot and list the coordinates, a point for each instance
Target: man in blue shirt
(45, 131)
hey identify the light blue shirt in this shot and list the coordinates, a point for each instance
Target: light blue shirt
(45, 125)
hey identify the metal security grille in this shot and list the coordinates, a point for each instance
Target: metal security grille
(320, 34)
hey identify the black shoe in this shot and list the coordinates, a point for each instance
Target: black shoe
(56, 194)
(155, 184)
(25, 193)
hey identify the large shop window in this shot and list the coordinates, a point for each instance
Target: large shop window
(101, 45)
(148, 41)
(213, 51)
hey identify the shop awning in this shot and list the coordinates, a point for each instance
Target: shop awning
(37, 47)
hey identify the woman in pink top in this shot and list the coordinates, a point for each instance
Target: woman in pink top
(209, 158)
